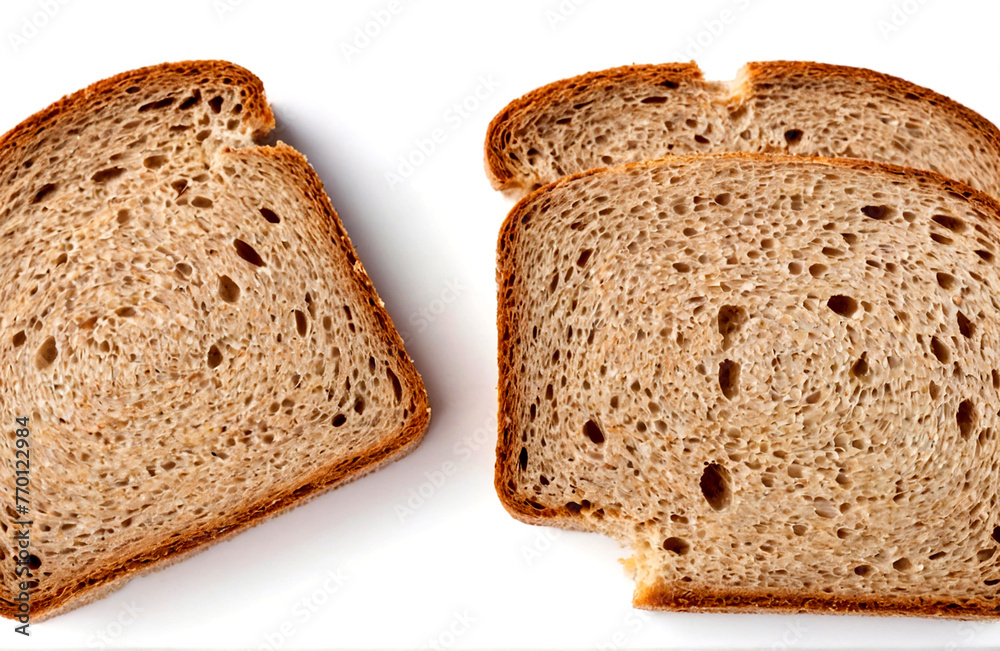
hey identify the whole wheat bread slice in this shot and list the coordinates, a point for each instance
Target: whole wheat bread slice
(775, 378)
(187, 327)
(646, 112)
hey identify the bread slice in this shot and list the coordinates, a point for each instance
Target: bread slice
(646, 112)
(774, 377)
(187, 327)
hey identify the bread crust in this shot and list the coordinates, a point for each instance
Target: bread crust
(503, 175)
(16, 145)
(663, 596)
(498, 170)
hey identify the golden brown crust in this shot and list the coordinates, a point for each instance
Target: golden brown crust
(99, 581)
(527, 509)
(498, 134)
(712, 600)
(753, 75)
(15, 145)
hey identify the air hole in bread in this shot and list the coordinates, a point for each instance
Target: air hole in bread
(564, 120)
(359, 405)
(676, 545)
(953, 224)
(163, 103)
(229, 291)
(216, 104)
(877, 212)
(202, 202)
(700, 139)
(654, 100)
(825, 508)
(47, 353)
(300, 322)
(125, 311)
(940, 350)
(985, 255)
(43, 192)
(154, 162)
(860, 368)
(863, 570)
(584, 257)
(723, 199)
(845, 306)
(996, 534)
(214, 357)
(34, 562)
(902, 564)
(682, 267)
(270, 215)
(190, 101)
(397, 388)
(793, 136)
(984, 555)
(945, 280)
(107, 174)
(941, 239)
(184, 269)
(966, 327)
(593, 432)
(731, 319)
(522, 458)
(966, 417)
(339, 420)
(18, 338)
(817, 270)
(250, 254)
(715, 486)
(729, 378)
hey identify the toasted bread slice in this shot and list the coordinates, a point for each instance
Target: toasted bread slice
(774, 377)
(186, 326)
(646, 112)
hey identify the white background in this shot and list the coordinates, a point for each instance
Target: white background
(457, 570)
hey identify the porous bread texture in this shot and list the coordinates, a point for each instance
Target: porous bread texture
(775, 378)
(646, 112)
(186, 324)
